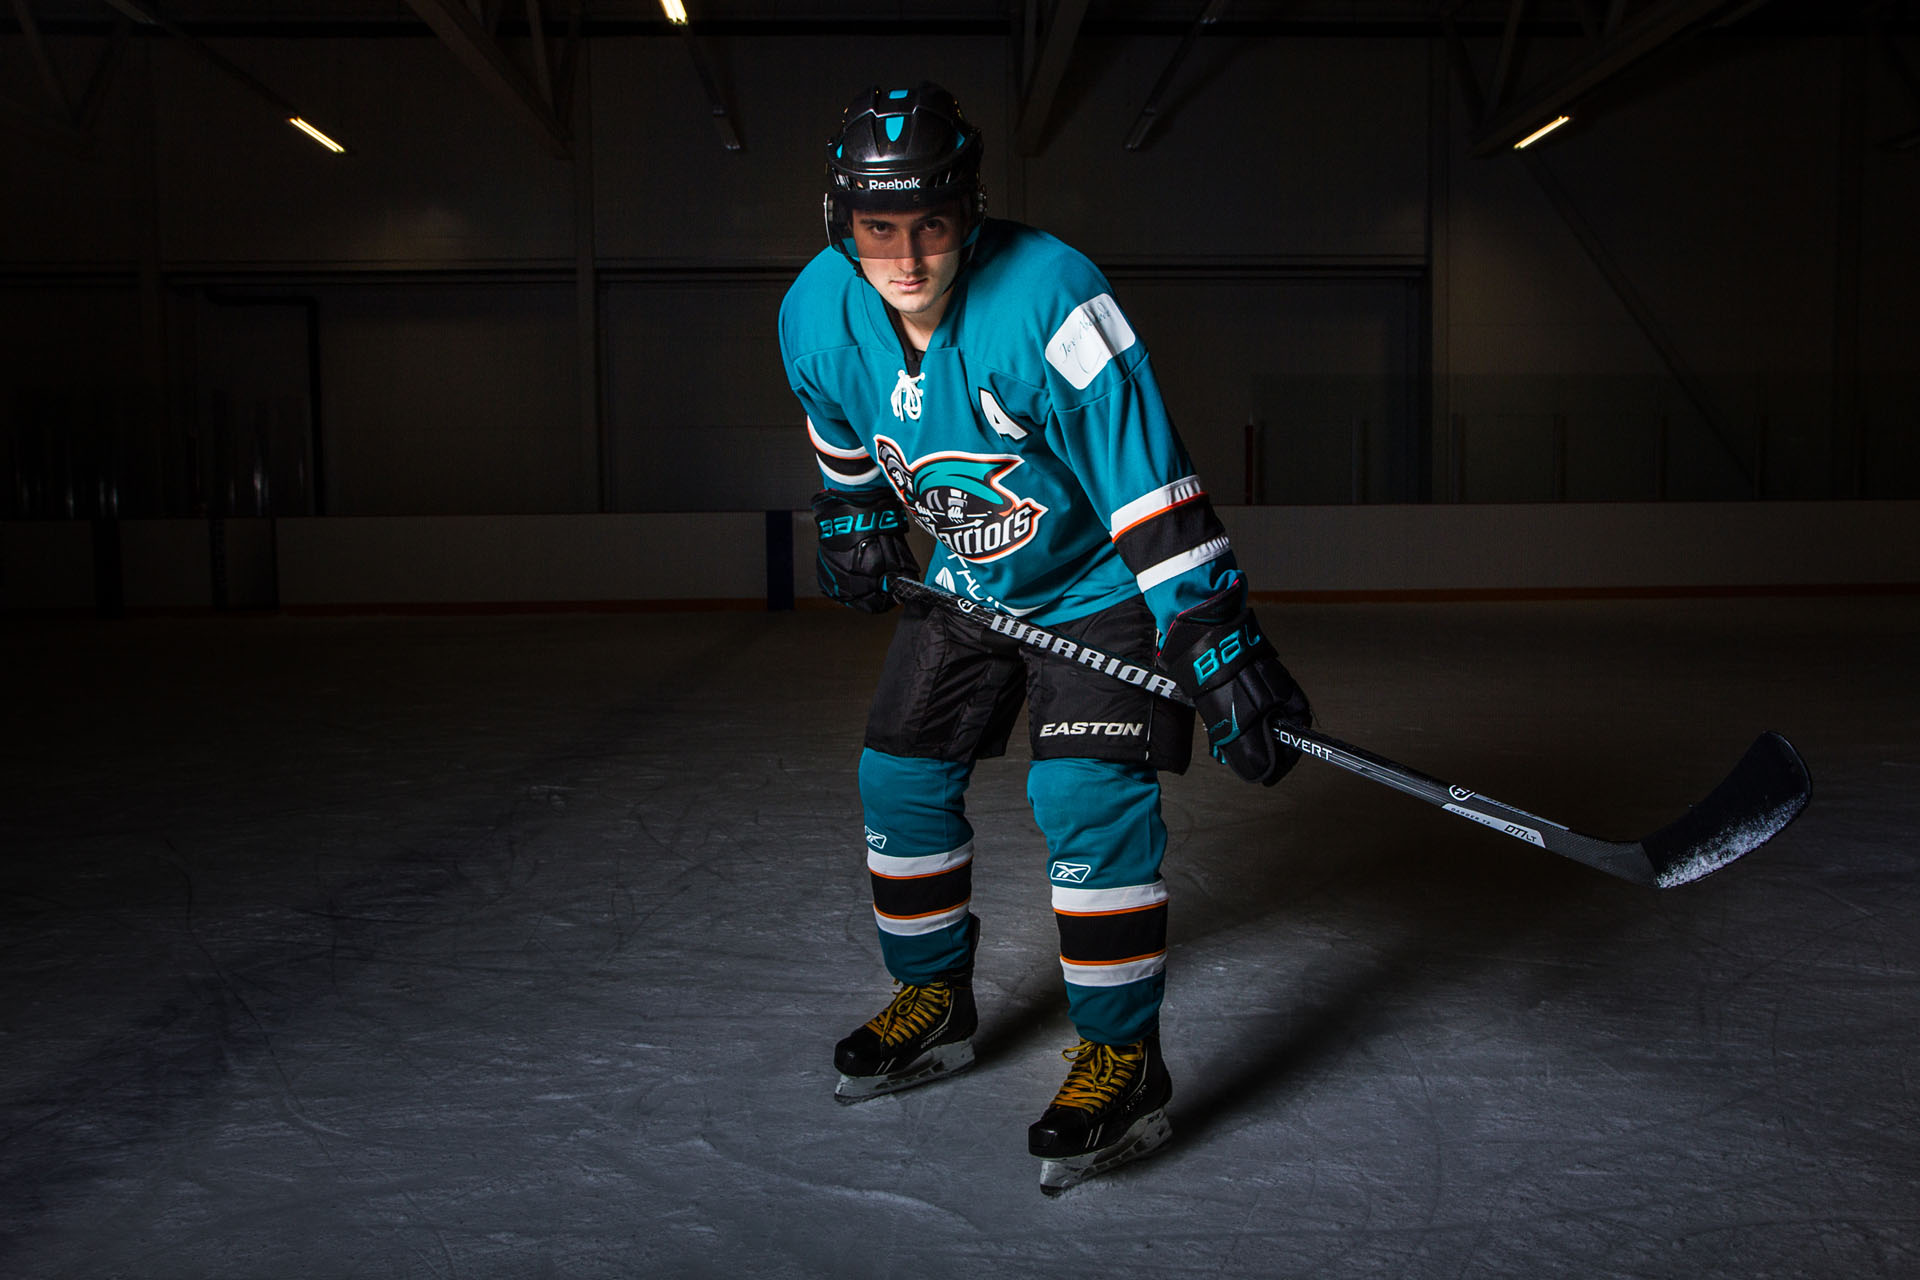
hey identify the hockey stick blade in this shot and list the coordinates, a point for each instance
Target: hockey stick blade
(1765, 791)
(1754, 803)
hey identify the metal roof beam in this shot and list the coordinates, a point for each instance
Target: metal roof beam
(710, 86)
(1636, 306)
(1509, 56)
(1589, 20)
(542, 73)
(1903, 72)
(1654, 26)
(43, 62)
(152, 18)
(565, 74)
(1610, 270)
(74, 123)
(471, 42)
(104, 71)
(1210, 13)
(1056, 50)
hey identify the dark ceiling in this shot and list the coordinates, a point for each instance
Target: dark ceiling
(1519, 62)
(879, 15)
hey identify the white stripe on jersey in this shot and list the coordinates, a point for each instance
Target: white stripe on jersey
(1174, 566)
(1113, 975)
(1153, 504)
(885, 864)
(912, 926)
(836, 477)
(834, 451)
(842, 479)
(1094, 902)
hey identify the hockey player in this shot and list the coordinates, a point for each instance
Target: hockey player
(977, 376)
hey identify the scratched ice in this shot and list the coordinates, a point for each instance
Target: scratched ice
(517, 946)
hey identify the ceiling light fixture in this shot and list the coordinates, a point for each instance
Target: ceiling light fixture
(1541, 132)
(675, 11)
(316, 135)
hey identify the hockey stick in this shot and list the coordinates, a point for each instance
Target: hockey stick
(1765, 791)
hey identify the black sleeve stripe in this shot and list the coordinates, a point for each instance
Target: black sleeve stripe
(846, 473)
(1172, 533)
(841, 466)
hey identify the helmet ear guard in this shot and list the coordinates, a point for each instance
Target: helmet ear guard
(902, 150)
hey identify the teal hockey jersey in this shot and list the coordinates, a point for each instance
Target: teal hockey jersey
(1032, 441)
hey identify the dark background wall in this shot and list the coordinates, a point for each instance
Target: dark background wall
(201, 312)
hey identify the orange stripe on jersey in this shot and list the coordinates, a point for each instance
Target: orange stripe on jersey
(1102, 964)
(1155, 515)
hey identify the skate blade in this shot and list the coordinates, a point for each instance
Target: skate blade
(935, 1064)
(1142, 1137)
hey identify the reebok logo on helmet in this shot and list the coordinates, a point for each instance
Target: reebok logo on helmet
(894, 184)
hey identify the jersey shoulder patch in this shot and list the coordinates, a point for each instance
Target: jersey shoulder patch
(1087, 341)
(1037, 295)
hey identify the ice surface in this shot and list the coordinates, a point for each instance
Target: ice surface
(483, 947)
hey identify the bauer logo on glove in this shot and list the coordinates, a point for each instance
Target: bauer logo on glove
(860, 523)
(863, 542)
(1222, 653)
(1241, 692)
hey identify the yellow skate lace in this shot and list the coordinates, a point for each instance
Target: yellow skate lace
(913, 1011)
(1099, 1073)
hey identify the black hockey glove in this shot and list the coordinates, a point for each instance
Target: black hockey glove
(863, 542)
(1217, 655)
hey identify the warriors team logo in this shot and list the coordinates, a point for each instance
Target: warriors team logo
(958, 498)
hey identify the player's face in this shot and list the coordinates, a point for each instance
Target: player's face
(910, 256)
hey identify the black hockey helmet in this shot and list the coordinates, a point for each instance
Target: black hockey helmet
(902, 149)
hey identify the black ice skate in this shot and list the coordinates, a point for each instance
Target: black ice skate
(1111, 1109)
(924, 1034)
